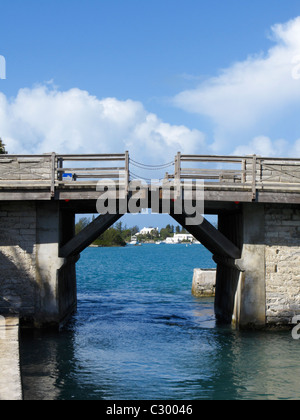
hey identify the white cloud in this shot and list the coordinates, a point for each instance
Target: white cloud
(246, 103)
(251, 94)
(44, 119)
(264, 146)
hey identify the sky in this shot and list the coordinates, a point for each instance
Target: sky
(151, 76)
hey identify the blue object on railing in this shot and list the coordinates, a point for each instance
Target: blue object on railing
(67, 177)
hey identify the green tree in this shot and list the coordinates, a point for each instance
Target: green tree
(119, 227)
(134, 230)
(2, 148)
(82, 224)
(126, 235)
(167, 232)
(110, 238)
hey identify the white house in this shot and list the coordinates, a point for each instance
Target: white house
(147, 231)
(180, 237)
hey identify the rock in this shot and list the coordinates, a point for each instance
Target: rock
(204, 283)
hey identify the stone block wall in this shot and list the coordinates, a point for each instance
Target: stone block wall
(34, 282)
(17, 257)
(282, 238)
(264, 290)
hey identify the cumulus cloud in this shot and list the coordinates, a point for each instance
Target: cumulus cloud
(250, 105)
(253, 93)
(44, 119)
(264, 146)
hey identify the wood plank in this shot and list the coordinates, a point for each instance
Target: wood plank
(91, 158)
(228, 196)
(237, 158)
(291, 162)
(200, 176)
(37, 183)
(213, 171)
(283, 198)
(107, 176)
(91, 155)
(88, 235)
(88, 192)
(278, 187)
(46, 155)
(92, 184)
(90, 169)
(25, 196)
(82, 195)
(98, 176)
(210, 237)
(215, 158)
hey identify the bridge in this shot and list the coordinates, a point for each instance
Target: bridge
(256, 244)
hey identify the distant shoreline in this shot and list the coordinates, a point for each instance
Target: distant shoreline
(143, 243)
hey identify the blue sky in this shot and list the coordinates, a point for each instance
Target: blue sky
(154, 77)
(135, 49)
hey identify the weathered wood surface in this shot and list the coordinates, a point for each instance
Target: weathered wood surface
(88, 235)
(226, 178)
(210, 237)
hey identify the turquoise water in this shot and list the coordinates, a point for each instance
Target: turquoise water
(139, 334)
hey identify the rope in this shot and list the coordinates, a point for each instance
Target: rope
(151, 167)
(138, 178)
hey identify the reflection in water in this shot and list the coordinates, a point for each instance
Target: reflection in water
(167, 358)
(146, 337)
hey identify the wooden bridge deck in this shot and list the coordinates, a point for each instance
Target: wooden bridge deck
(75, 177)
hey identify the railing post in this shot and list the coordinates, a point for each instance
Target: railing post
(53, 173)
(178, 166)
(126, 173)
(254, 192)
(60, 166)
(177, 174)
(244, 168)
(260, 170)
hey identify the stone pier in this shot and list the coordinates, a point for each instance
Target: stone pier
(35, 283)
(262, 289)
(10, 373)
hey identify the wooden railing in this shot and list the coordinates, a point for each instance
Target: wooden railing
(92, 174)
(55, 172)
(246, 172)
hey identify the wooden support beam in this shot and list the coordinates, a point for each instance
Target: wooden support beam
(88, 235)
(210, 237)
(228, 262)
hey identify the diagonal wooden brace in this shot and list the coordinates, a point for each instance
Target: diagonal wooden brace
(88, 235)
(210, 237)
